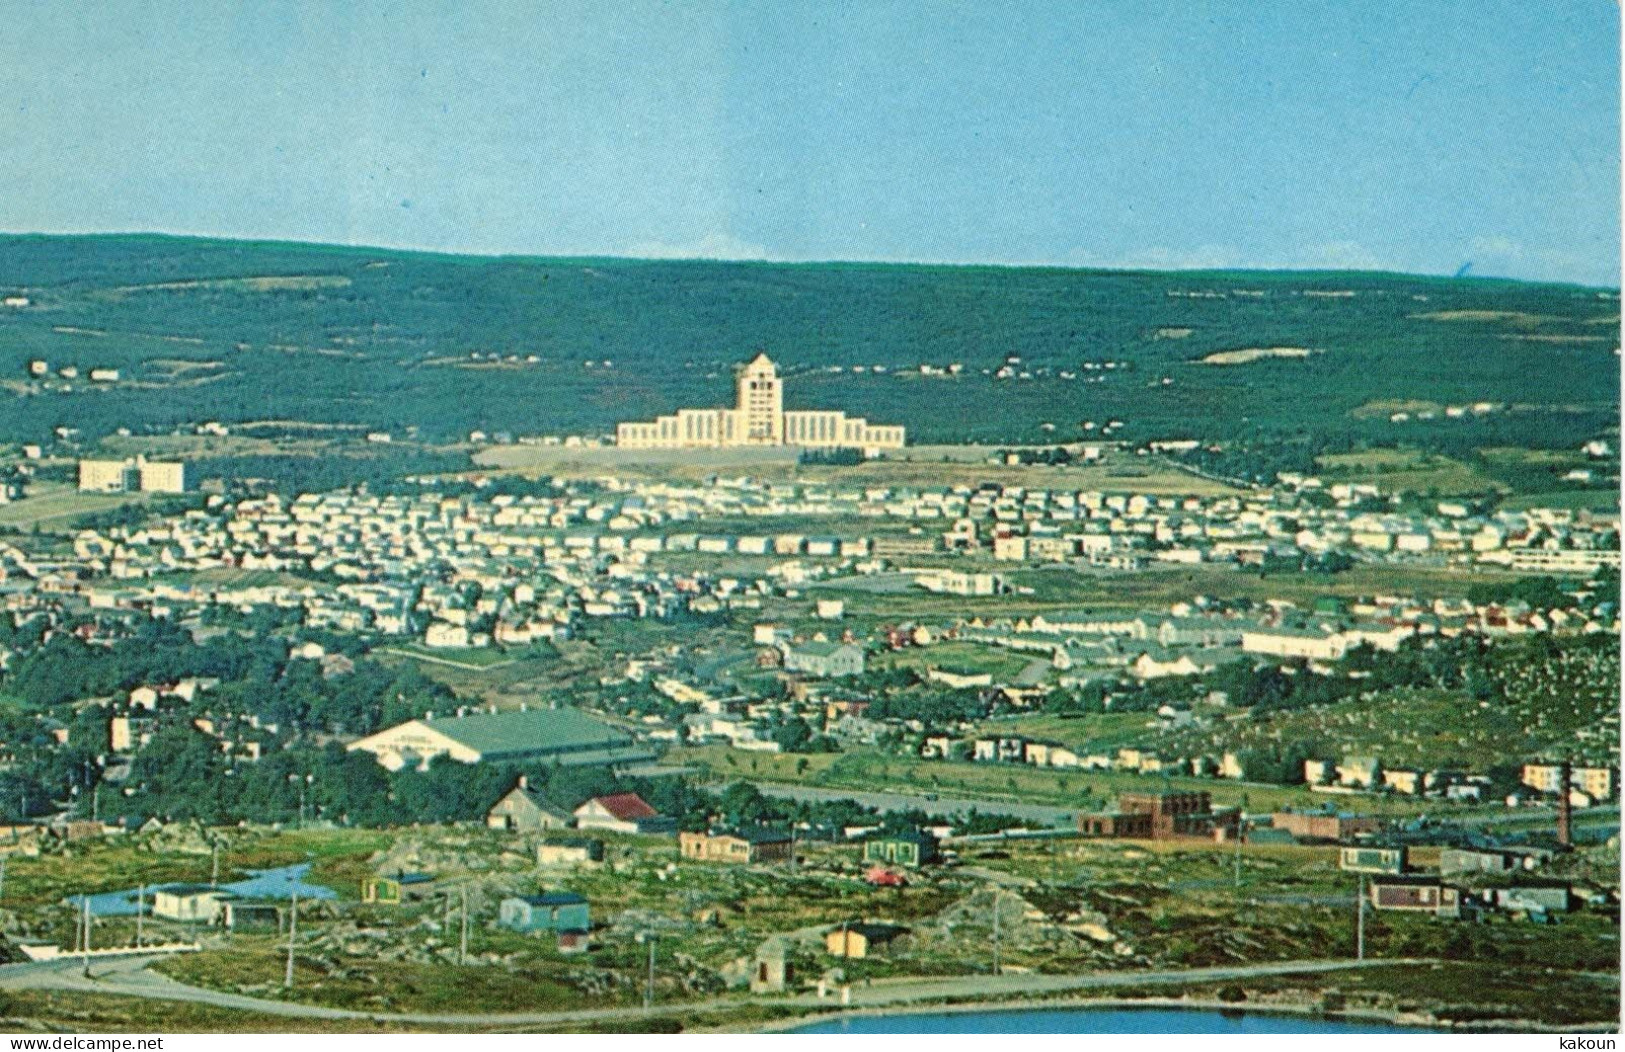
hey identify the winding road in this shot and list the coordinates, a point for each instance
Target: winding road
(131, 977)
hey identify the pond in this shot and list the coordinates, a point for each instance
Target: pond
(279, 883)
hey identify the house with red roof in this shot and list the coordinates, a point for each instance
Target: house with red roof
(623, 813)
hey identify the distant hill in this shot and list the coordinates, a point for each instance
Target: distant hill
(236, 331)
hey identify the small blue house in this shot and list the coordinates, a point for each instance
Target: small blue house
(561, 911)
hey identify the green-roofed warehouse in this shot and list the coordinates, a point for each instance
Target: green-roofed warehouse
(565, 736)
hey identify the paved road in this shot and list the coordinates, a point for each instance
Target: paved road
(131, 978)
(943, 805)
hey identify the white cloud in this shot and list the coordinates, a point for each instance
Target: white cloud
(1342, 255)
(1495, 246)
(711, 246)
(1203, 257)
(1332, 255)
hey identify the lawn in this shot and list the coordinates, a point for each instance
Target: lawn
(868, 770)
(966, 658)
(48, 505)
(1394, 470)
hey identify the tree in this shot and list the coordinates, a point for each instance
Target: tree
(793, 735)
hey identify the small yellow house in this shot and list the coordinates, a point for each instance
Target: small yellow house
(392, 891)
(858, 940)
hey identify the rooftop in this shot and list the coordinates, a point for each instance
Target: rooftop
(496, 734)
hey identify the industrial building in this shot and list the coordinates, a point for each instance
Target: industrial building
(565, 736)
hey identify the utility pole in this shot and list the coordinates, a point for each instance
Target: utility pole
(2, 876)
(996, 969)
(140, 911)
(214, 863)
(1241, 824)
(462, 945)
(293, 929)
(84, 903)
(1359, 936)
(649, 937)
(1238, 857)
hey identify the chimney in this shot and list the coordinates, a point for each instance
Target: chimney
(1565, 808)
(524, 783)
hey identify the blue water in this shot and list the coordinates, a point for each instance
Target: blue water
(1100, 1021)
(260, 884)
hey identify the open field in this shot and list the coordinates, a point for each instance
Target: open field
(1602, 500)
(52, 506)
(1157, 586)
(566, 346)
(917, 467)
(1396, 470)
(1085, 790)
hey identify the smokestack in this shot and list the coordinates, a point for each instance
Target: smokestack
(1565, 808)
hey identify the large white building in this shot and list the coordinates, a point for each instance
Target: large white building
(130, 476)
(565, 737)
(758, 419)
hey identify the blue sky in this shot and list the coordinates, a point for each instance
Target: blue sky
(1417, 136)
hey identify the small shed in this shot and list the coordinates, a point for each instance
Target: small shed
(190, 903)
(558, 911)
(1372, 859)
(861, 939)
(912, 849)
(392, 891)
(571, 852)
(240, 914)
(770, 971)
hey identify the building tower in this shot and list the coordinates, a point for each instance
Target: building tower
(761, 402)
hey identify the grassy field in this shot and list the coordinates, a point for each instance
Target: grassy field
(469, 659)
(1396, 470)
(1066, 588)
(52, 506)
(1015, 783)
(384, 339)
(922, 467)
(1603, 500)
(1004, 665)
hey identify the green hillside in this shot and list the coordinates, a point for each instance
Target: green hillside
(242, 331)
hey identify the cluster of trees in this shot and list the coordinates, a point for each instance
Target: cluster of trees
(64, 668)
(742, 805)
(1540, 593)
(340, 466)
(1053, 456)
(831, 457)
(182, 774)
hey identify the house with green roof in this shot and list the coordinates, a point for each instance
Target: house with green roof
(564, 736)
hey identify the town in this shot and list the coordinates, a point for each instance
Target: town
(805, 738)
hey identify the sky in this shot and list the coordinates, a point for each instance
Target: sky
(1424, 136)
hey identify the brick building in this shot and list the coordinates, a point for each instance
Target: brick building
(1161, 816)
(1325, 825)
